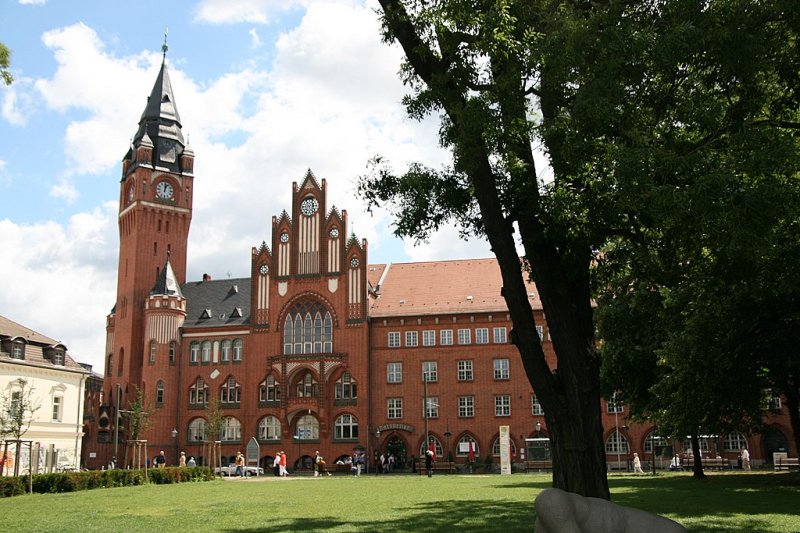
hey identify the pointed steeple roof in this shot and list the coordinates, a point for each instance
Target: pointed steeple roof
(160, 118)
(167, 283)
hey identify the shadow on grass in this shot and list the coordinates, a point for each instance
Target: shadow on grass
(473, 516)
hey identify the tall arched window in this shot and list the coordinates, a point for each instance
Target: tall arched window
(307, 428)
(121, 361)
(206, 351)
(198, 392)
(269, 428)
(194, 352)
(346, 427)
(237, 349)
(110, 368)
(159, 393)
(616, 443)
(308, 328)
(225, 351)
(462, 450)
(653, 442)
(734, 442)
(198, 430)
(435, 444)
(172, 350)
(496, 447)
(153, 348)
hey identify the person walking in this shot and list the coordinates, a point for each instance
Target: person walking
(429, 462)
(276, 465)
(282, 464)
(182, 459)
(191, 462)
(745, 459)
(240, 464)
(637, 464)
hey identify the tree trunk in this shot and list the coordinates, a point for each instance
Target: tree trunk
(792, 394)
(697, 466)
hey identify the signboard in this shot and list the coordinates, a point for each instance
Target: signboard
(505, 450)
(253, 452)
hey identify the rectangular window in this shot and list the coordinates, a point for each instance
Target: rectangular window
(482, 336)
(466, 406)
(464, 336)
(446, 337)
(502, 405)
(412, 339)
(18, 350)
(394, 408)
(394, 339)
(536, 407)
(57, 409)
(153, 347)
(433, 407)
(429, 371)
(465, 370)
(615, 404)
(501, 369)
(540, 332)
(194, 352)
(500, 335)
(429, 338)
(58, 358)
(394, 372)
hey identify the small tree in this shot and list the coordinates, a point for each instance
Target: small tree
(138, 418)
(17, 411)
(214, 419)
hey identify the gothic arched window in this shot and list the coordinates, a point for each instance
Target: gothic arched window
(308, 328)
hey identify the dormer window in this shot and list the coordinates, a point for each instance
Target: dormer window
(18, 350)
(58, 358)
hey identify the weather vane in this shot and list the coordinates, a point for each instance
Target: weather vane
(164, 46)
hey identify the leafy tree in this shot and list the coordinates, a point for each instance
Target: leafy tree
(650, 114)
(138, 418)
(18, 409)
(5, 63)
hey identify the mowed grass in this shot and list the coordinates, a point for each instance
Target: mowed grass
(755, 502)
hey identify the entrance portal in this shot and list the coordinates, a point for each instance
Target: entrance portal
(397, 447)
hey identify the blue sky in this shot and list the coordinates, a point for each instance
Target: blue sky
(265, 88)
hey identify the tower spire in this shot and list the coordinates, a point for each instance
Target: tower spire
(164, 46)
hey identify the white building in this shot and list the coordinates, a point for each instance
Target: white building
(58, 384)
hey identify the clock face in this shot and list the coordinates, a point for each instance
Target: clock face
(164, 190)
(354, 262)
(284, 237)
(264, 269)
(309, 206)
(334, 233)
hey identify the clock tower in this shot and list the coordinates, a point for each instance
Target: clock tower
(155, 211)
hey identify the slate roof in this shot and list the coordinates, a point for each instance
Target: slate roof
(34, 347)
(167, 283)
(440, 287)
(217, 303)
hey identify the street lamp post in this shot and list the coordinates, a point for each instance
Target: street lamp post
(616, 426)
(425, 411)
(377, 450)
(175, 438)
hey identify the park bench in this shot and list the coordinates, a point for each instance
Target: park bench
(448, 467)
(787, 463)
(717, 463)
(538, 465)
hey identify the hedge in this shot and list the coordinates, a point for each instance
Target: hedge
(93, 479)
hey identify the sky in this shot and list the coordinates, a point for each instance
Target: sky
(266, 89)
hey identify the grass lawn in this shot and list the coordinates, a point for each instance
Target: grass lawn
(753, 502)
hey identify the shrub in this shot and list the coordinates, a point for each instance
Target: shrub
(11, 486)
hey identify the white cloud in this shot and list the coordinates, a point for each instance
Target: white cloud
(255, 40)
(65, 189)
(32, 2)
(233, 11)
(17, 102)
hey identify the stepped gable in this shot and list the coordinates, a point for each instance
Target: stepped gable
(216, 303)
(440, 287)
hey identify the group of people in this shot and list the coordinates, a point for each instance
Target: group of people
(279, 464)
(386, 463)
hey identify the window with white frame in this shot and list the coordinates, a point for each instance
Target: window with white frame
(501, 369)
(433, 407)
(502, 405)
(225, 351)
(616, 443)
(306, 385)
(160, 393)
(412, 339)
(57, 405)
(536, 407)
(704, 444)
(172, 350)
(346, 388)
(269, 390)
(58, 358)
(429, 337)
(394, 339)
(465, 370)
(464, 336)
(307, 428)
(446, 337)
(429, 371)
(18, 350)
(615, 404)
(206, 351)
(734, 442)
(434, 444)
(198, 392)
(231, 429)
(540, 332)
(308, 328)
(194, 352)
(466, 406)
(394, 372)
(269, 428)
(237, 349)
(198, 430)
(653, 442)
(482, 336)
(462, 449)
(496, 447)
(500, 335)
(230, 392)
(346, 427)
(394, 408)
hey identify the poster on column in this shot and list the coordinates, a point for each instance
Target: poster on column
(505, 450)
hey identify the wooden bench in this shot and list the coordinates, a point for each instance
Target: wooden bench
(538, 465)
(711, 464)
(448, 467)
(786, 464)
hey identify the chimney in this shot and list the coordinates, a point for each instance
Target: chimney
(206, 277)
